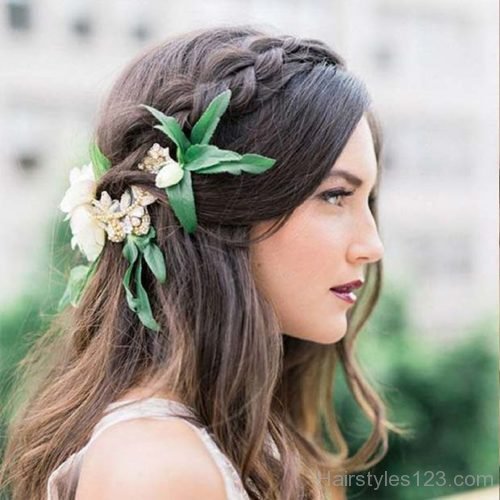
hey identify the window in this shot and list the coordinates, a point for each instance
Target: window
(19, 15)
(140, 31)
(27, 161)
(383, 57)
(81, 26)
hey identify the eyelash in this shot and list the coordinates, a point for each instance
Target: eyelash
(336, 193)
(342, 193)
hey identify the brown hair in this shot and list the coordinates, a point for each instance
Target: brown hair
(220, 346)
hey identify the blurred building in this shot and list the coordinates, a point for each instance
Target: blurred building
(431, 66)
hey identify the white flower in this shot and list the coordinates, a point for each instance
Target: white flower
(81, 190)
(171, 173)
(88, 234)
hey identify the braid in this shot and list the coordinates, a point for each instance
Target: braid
(256, 69)
(253, 65)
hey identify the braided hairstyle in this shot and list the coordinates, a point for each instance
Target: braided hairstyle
(273, 81)
(220, 346)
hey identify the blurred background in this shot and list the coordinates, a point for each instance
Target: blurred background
(432, 69)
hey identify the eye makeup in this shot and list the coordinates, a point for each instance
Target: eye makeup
(339, 194)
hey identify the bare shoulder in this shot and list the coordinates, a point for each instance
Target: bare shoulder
(149, 458)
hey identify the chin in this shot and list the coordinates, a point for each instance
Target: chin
(321, 335)
(330, 338)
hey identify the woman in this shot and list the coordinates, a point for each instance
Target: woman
(213, 382)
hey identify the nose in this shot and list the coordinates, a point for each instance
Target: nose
(367, 247)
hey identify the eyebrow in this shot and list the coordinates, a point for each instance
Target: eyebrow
(351, 178)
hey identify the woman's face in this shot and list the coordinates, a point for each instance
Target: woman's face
(327, 242)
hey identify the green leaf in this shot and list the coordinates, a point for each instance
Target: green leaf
(143, 241)
(78, 278)
(181, 199)
(250, 163)
(153, 255)
(156, 261)
(143, 305)
(207, 123)
(201, 156)
(130, 250)
(131, 253)
(140, 304)
(170, 126)
(100, 164)
(263, 163)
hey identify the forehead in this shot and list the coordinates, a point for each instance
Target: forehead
(358, 156)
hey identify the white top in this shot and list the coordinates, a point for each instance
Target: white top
(63, 481)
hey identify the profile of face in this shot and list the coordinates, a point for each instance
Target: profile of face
(326, 243)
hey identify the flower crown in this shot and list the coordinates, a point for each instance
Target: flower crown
(92, 220)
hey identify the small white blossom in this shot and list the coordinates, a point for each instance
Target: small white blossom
(171, 173)
(155, 158)
(145, 197)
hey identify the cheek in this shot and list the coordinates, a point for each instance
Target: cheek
(298, 263)
(295, 268)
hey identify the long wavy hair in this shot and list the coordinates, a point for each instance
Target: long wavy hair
(220, 346)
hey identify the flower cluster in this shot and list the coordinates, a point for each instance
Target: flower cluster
(127, 216)
(127, 219)
(91, 219)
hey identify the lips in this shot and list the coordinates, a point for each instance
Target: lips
(348, 287)
(344, 291)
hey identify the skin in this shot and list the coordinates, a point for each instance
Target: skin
(148, 458)
(327, 242)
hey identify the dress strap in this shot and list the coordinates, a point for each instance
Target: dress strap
(129, 409)
(161, 408)
(232, 480)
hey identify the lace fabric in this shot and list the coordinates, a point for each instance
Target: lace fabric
(63, 481)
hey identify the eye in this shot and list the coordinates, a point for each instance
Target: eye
(336, 194)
